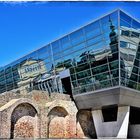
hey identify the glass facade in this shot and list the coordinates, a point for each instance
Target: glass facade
(129, 51)
(82, 61)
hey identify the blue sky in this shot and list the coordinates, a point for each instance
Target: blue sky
(27, 26)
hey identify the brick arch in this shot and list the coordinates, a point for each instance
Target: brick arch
(58, 104)
(24, 120)
(17, 102)
(58, 109)
(57, 122)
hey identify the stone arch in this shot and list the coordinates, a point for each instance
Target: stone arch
(59, 111)
(85, 125)
(62, 104)
(57, 122)
(24, 120)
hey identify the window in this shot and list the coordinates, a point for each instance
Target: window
(125, 33)
(135, 34)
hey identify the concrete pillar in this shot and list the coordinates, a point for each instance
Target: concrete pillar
(115, 129)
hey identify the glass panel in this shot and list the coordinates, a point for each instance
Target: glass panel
(124, 23)
(114, 65)
(65, 42)
(135, 24)
(79, 47)
(129, 51)
(76, 34)
(92, 26)
(82, 67)
(105, 84)
(77, 37)
(94, 40)
(73, 77)
(100, 69)
(56, 48)
(83, 74)
(125, 17)
(108, 20)
(93, 34)
(44, 52)
(33, 55)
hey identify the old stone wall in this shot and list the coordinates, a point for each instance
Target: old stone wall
(38, 115)
(14, 111)
(66, 112)
(24, 128)
(39, 97)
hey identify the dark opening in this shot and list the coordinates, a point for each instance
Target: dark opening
(67, 86)
(110, 113)
(84, 117)
(134, 115)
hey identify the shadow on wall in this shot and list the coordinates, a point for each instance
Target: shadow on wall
(134, 123)
(85, 125)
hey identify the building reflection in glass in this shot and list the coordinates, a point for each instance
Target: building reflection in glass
(129, 51)
(82, 61)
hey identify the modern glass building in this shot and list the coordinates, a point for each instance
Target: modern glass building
(102, 54)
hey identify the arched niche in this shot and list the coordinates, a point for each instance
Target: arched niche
(24, 121)
(57, 122)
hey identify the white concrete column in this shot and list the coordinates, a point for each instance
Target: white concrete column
(115, 129)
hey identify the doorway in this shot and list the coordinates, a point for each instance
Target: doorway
(66, 86)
